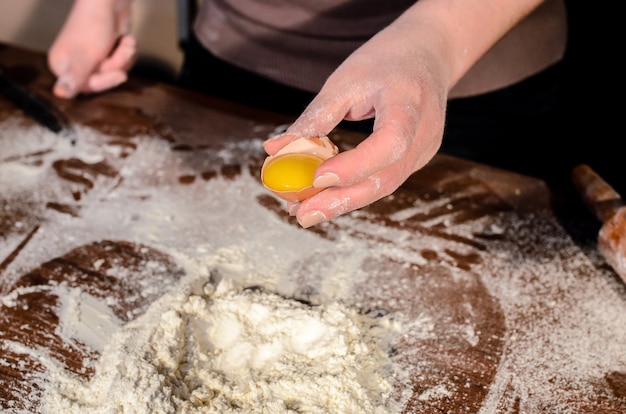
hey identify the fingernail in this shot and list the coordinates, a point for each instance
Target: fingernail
(312, 218)
(272, 137)
(326, 180)
(277, 133)
(66, 86)
(293, 209)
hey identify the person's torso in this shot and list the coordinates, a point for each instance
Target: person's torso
(300, 42)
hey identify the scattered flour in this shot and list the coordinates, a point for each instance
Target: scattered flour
(213, 345)
(85, 318)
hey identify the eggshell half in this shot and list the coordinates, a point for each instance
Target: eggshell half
(320, 147)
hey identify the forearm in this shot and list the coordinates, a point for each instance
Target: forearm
(459, 32)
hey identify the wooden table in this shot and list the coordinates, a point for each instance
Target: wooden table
(518, 318)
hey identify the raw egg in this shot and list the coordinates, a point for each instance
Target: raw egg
(289, 173)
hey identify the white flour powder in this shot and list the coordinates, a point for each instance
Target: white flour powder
(219, 348)
(227, 350)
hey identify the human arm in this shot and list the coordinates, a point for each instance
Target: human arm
(401, 77)
(93, 51)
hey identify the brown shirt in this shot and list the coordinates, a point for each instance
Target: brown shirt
(300, 42)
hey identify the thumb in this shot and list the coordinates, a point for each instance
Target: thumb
(71, 75)
(72, 69)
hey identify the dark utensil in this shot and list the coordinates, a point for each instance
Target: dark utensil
(33, 104)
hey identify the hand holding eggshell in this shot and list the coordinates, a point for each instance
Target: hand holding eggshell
(289, 173)
(404, 86)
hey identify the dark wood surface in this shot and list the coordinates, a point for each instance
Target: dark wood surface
(496, 236)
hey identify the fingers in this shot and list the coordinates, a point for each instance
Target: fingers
(92, 52)
(321, 115)
(406, 136)
(80, 74)
(274, 144)
(311, 123)
(65, 86)
(372, 170)
(72, 70)
(113, 70)
(122, 57)
(72, 82)
(336, 201)
(99, 82)
(390, 143)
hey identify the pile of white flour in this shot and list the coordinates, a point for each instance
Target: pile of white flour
(227, 350)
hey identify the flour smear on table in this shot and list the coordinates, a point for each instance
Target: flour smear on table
(239, 342)
(263, 320)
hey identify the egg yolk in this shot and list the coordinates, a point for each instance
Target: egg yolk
(291, 172)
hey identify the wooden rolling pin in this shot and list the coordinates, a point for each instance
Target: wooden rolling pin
(607, 205)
